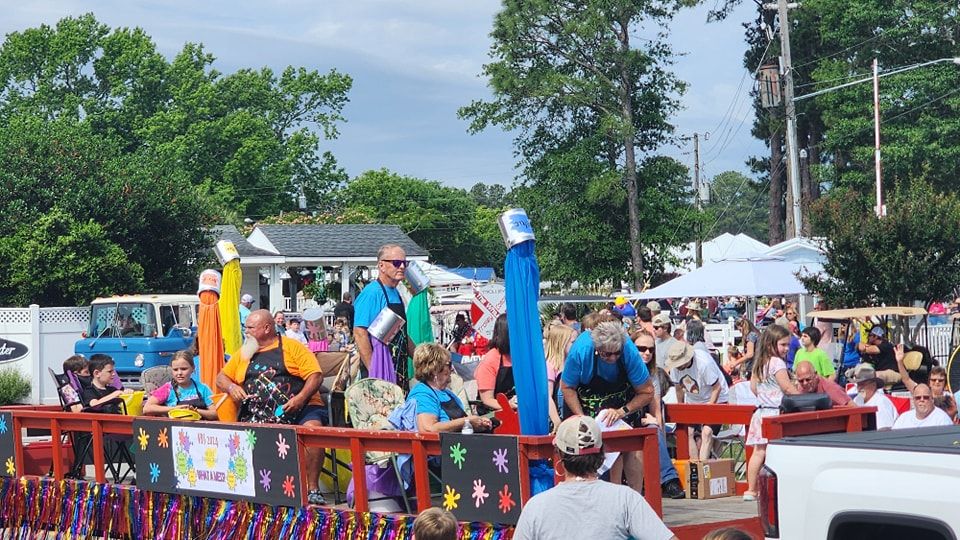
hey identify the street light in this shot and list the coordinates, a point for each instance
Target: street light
(880, 209)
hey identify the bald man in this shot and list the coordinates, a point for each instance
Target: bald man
(810, 382)
(924, 413)
(295, 372)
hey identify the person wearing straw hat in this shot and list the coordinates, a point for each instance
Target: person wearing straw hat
(623, 307)
(582, 505)
(937, 379)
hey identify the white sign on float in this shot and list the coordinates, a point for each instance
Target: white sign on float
(489, 301)
(213, 460)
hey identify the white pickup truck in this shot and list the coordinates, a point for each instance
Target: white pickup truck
(875, 485)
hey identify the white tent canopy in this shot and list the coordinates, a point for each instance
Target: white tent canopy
(734, 277)
(442, 278)
(725, 246)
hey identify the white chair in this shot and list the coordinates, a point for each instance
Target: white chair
(732, 440)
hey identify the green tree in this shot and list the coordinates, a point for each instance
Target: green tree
(911, 254)
(570, 77)
(490, 195)
(58, 261)
(149, 210)
(834, 42)
(579, 210)
(251, 138)
(737, 205)
(436, 217)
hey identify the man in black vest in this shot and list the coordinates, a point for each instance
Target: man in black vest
(374, 298)
(279, 383)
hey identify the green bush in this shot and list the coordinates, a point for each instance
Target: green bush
(14, 387)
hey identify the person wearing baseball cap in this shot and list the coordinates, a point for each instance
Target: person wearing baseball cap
(582, 505)
(879, 351)
(246, 302)
(663, 335)
(624, 307)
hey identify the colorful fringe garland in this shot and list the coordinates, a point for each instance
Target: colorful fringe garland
(33, 507)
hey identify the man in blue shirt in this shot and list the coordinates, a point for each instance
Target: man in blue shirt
(604, 375)
(603, 370)
(246, 302)
(374, 298)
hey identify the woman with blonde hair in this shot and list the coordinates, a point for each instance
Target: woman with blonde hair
(653, 416)
(439, 409)
(556, 344)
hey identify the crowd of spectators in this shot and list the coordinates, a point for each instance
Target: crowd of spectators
(616, 365)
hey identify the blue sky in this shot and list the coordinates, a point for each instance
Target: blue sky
(414, 64)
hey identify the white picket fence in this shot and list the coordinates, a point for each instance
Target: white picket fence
(938, 342)
(49, 335)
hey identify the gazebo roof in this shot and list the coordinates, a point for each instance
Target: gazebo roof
(319, 244)
(244, 248)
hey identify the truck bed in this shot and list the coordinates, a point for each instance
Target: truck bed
(937, 440)
(878, 483)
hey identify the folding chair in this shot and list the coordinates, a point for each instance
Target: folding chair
(155, 377)
(115, 448)
(731, 442)
(369, 404)
(80, 442)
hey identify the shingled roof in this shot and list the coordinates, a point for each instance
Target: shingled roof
(244, 248)
(335, 241)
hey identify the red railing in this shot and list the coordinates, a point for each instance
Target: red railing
(839, 420)
(420, 446)
(687, 415)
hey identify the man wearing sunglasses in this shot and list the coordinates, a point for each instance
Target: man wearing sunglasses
(924, 413)
(374, 298)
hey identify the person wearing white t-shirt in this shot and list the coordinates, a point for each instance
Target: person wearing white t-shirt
(870, 394)
(698, 380)
(924, 413)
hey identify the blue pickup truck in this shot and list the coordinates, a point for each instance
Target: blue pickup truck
(140, 331)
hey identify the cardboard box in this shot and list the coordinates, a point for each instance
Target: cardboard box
(709, 479)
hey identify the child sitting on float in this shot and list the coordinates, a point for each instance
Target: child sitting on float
(183, 392)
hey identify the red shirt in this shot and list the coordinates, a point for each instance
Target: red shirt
(838, 396)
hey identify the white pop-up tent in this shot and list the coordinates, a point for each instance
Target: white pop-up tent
(725, 246)
(440, 277)
(733, 277)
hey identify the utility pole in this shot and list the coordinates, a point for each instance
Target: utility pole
(696, 195)
(881, 209)
(793, 165)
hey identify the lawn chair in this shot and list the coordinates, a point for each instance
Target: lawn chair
(369, 404)
(155, 377)
(116, 452)
(80, 441)
(730, 443)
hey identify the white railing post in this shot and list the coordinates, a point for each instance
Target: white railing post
(37, 354)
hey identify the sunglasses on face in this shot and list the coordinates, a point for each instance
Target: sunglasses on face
(923, 397)
(609, 354)
(644, 348)
(938, 380)
(397, 263)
